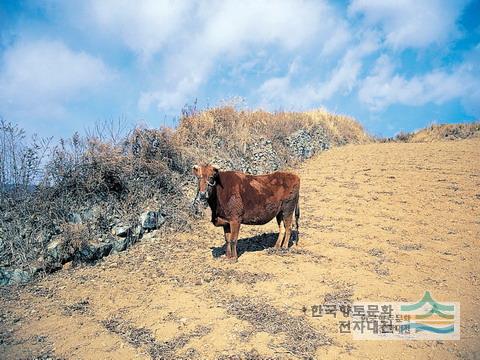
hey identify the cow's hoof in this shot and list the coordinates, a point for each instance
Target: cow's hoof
(233, 260)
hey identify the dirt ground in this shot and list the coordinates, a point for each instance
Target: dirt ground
(380, 222)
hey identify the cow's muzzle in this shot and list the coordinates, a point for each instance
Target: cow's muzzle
(201, 200)
(202, 196)
(200, 203)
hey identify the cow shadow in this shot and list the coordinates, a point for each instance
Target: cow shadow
(252, 244)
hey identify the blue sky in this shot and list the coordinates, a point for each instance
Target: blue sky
(393, 65)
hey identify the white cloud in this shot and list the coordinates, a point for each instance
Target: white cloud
(144, 26)
(344, 76)
(227, 30)
(40, 77)
(229, 25)
(411, 23)
(337, 38)
(279, 92)
(187, 39)
(342, 79)
(282, 93)
(385, 87)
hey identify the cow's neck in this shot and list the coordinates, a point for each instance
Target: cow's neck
(212, 202)
(213, 199)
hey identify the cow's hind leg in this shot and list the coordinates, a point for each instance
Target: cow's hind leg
(228, 247)
(281, 231)
(288, 220)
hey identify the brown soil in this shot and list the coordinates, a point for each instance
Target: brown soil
(380, 222)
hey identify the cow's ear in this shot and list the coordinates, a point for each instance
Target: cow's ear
(216, 169)
(195, 170)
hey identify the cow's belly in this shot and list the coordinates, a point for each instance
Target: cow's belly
(260, 216)
(257, 221)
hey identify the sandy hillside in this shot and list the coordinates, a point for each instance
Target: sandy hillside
(379, 222)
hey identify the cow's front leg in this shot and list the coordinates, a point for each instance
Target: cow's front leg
(235, 229)
(281, 231)
(288, 230)
(228, 247)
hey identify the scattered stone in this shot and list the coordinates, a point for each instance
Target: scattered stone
(301, 145)
(304, 144)
(411, 247)
(375, 252)
(342, 296)
(57, 253)
(81, 307)
(121, 230)
(151, 220)
(302, 340)
(91, 252)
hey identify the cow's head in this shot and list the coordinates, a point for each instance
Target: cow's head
(207, 176)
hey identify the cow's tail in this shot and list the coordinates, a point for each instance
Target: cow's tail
(297, 216)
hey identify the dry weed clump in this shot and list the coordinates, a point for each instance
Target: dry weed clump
(301, 339)
(144, 338)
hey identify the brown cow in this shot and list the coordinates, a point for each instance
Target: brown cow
(236, 198)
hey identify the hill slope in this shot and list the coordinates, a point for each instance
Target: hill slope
(379, 222)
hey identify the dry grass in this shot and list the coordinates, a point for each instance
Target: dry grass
(441, 132)
(344, 129)
(202, 133)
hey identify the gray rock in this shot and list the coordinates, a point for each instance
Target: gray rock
(55, 250)
(123, 243)
(138, 230)
(151, 220)
(15, 276)
(122, 230)
(56, 254)
(320, 139)
(93, 213)
(88, 215)
(74, 218)
(91, 252)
